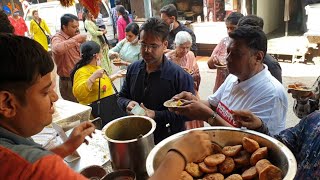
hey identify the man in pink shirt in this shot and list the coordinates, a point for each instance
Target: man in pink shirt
(66, 52)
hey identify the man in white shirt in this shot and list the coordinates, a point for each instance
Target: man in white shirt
(250, 86)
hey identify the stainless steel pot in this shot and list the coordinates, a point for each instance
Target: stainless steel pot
(130, 140)
(279, 154)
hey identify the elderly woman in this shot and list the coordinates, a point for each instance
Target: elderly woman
(186, 59)
(219, 54)
(87, 73)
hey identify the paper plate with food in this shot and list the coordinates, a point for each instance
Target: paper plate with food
(299, 87)
(220, 65)
(172, 103)
(117, 62)
(190, 71)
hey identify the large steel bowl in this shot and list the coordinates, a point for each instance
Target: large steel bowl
(278, 153)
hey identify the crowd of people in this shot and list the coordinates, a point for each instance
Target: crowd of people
(160, 62)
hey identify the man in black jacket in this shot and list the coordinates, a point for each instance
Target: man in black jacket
(155, 79)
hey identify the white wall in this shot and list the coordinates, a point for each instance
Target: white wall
(272, 13)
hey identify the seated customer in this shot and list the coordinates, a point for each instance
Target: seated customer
(26, 107)
(302, 139)
(249, 86)
(87, 74)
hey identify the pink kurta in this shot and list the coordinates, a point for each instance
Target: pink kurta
(189, 63)
(121, 26)
(220, 52)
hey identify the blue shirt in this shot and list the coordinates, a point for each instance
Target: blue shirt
(304, 141)
(153, 90)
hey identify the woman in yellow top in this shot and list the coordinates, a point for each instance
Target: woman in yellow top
(87, 73)
(36, 33)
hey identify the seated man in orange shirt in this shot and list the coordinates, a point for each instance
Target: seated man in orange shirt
(26, 107)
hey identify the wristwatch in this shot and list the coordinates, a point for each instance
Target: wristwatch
(212, 118)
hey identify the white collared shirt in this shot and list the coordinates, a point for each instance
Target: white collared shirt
(262, 94)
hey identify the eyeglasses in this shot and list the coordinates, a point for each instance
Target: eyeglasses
(149, 47)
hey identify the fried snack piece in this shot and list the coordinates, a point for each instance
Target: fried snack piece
(214, 159)
(259, 154)
(267, 171)
(243, 158)
(185, 176)
(234, 177)
(193, 169)
(207, 169)
(227, 166)
(292, 86)
(214, 176)
(250, 145)
(216, 148)
(231, 150)
(250, 173)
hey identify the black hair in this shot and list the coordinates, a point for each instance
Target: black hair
(117, 2)
(251, 20)
(156, 27)
(5, 25)
(88, 50)
(23, 60)
(66, 18)
(170, 10)
(84, 17)
(234, 17)
(133, 27)
(124, 13)
(253, 36)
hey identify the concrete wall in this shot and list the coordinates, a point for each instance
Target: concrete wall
(272, 13)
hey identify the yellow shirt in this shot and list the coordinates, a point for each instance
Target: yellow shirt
(80, 88)
(38, 34)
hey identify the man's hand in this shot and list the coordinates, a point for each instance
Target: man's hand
(76, 138)
(193, 110)
(247, 119)
(185, 95)
(81, 38)
(130, 106)
(150, 113)
(198, 139)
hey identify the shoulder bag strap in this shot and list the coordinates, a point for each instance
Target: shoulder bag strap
(113, 86)
(98, 101)
(40, 27)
